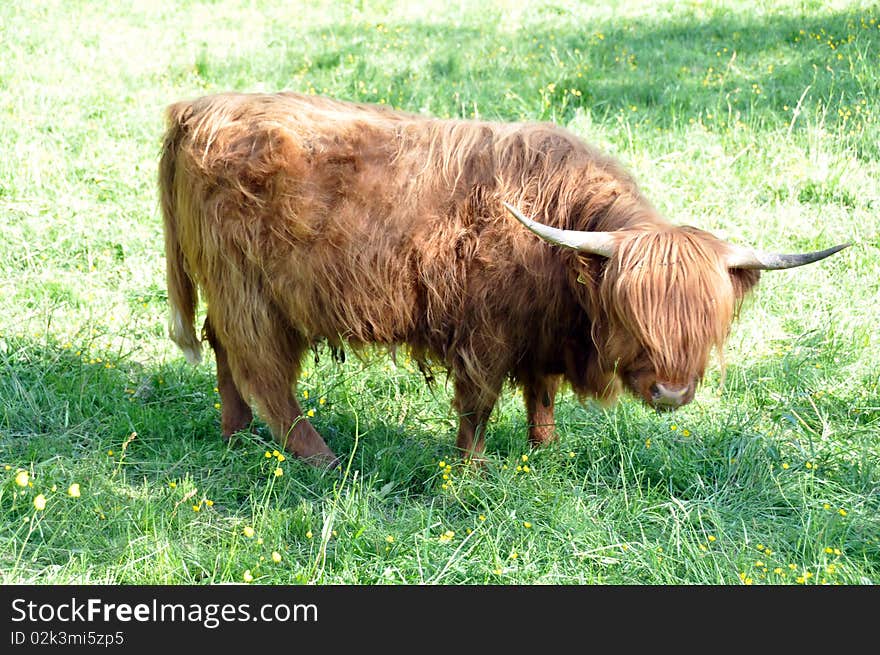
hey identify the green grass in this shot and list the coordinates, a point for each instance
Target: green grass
(757, 121)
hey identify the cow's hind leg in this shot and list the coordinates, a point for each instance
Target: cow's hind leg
(266, 369)
(235, 413)
(540, 397)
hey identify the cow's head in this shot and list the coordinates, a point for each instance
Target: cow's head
(665, 298)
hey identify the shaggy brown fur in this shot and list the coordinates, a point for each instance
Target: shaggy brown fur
(302, 218)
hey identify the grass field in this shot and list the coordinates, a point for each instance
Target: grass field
(759, 121)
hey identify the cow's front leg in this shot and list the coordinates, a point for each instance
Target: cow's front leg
(474, 406)
(540, 397)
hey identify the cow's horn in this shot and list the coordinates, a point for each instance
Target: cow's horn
(596, 243)
(739, 257)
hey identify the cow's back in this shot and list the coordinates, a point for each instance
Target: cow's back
(315, 199)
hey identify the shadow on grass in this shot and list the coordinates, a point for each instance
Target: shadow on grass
(68, 401)
(62, 404)
(69, 420)
(663, 71)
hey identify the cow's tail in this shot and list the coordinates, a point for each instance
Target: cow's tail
(183, 294)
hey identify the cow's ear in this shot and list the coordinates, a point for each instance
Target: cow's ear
(743, 280)
(585, 277)
(588, 270)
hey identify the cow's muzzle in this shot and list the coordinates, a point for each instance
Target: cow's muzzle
(666, 396)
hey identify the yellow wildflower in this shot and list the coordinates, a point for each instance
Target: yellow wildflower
(527, 525)
(22, 478)
(279, 472)
(248, 576)
(389, 539)
(40, 502)
(248, 532)
(276, 557)
(309, 534)
(73, 490)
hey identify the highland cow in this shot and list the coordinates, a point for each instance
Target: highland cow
(303, 219)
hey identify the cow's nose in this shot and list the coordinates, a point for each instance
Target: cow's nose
(667, 395)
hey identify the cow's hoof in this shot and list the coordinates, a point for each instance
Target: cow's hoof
(326, 461)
